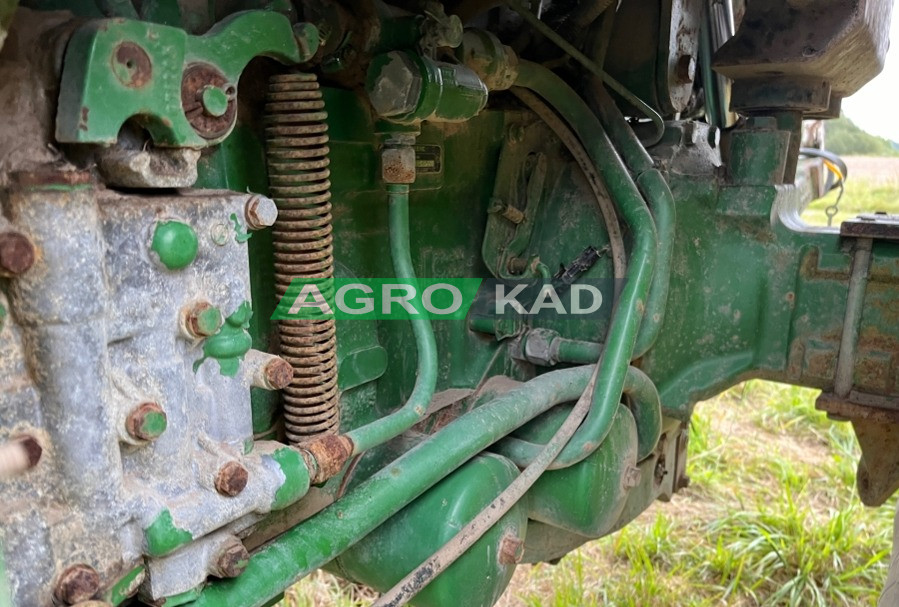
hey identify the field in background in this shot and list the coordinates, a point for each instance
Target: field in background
(771, 516)
(873, 185)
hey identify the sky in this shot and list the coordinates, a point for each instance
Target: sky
(873, 108)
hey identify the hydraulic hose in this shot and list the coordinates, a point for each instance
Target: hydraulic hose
(413, 411)
(647, 410)
(404, 590)
(622, 336)
(658, 195)
(321, 538)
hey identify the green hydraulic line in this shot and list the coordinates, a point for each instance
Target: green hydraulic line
(320, 539)
(628, 314)
(413, 411)
(592, 67)
(647, 410)
(658, 195)
(575, 351)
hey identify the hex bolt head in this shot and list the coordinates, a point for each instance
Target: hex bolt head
(261, 212)
(146, 422)
(394, 84)
(231, 479)
(232, 560)
(511, 550)
(685, 70)
(76, 584)
(278, 373)
(16, 253)
(201, 319)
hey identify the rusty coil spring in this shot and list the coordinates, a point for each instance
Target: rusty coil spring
(297, 157)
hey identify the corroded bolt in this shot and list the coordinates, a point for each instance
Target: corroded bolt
(685, 69)
(147, 421)
(278, 373)
(511, 550)
(201, 319)
(76, 584)
(231, 479)
(261, 212)
(16, 253)
(232, 560)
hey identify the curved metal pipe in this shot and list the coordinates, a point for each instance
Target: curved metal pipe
(612, 367)
(390, 426)
(321, 538)
(647, 410)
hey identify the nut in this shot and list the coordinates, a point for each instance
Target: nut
(232, 560)
(146, 422)
(632, 477)
(76, 584)
(201, 319)
(261, 212)
(16, 253)
(395, 84)
(231, 479)
(278, 373)
(511, 550)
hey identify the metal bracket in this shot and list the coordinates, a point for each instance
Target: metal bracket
(876, 226)
(182, 88)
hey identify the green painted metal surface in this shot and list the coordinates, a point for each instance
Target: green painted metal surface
(478, 578)
(164, 536)
(231, 343)
(120, 69)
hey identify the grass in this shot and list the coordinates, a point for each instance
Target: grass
(770, 518)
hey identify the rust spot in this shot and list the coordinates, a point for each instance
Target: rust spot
(76, 584)
(196, 78)
(330, 453)
(133, 66)
(232, 561)
(51, 176)
(511, 550)
(16, 253)
(231, 479)
(278, 373)
(32, 449)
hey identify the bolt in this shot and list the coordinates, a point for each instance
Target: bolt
(512, 214)
(214, 100)
(76, 584)
(231, 479)
(396, 84)
(685, 69)
(175, 243)
(147, 421)
(16, 253)
(201, 319)
(516, 265)
(232, 560)
(632, 477)
(515, 134)
(511, 550)
(220, 233)
(261, 212)
(278, 373)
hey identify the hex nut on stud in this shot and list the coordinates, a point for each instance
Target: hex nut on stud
(511, 550)
(146, 422)
(231, 479)
(261, 212)
(16, 253)
(278, 373)
(76, 584)
(232, 560)
(201, 319)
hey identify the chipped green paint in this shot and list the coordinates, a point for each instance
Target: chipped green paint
(296, 482)
(153, 425)
(175, 243)
(163, 536)
(126, 586)
(240, 235)
(2, 316)
(231, 343)
(209, 321)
